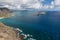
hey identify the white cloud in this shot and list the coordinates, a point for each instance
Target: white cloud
(25, 1)
(7, 0)
(6, 6)
(57, 2)
(36, 5)
(52, 3)
(28, 4)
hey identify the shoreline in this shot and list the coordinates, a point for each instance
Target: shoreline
(7, 16)
(1, 17)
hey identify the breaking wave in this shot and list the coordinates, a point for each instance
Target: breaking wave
(26, 36)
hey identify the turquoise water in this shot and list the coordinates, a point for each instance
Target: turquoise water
(42, 27)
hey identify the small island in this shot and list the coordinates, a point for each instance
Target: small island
(5, 13)
(40, 13)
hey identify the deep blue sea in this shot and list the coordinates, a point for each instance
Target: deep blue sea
(42, 27)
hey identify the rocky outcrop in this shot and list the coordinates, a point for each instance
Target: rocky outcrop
(9, 33)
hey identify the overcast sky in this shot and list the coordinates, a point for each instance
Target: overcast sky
(34, 3)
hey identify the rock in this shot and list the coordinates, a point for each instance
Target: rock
(22, 37)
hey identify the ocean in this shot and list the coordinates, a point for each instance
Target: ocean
(41, 27)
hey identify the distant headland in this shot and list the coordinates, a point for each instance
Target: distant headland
(5, 13)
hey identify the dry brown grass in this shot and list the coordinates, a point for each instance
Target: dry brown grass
(7, 33)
